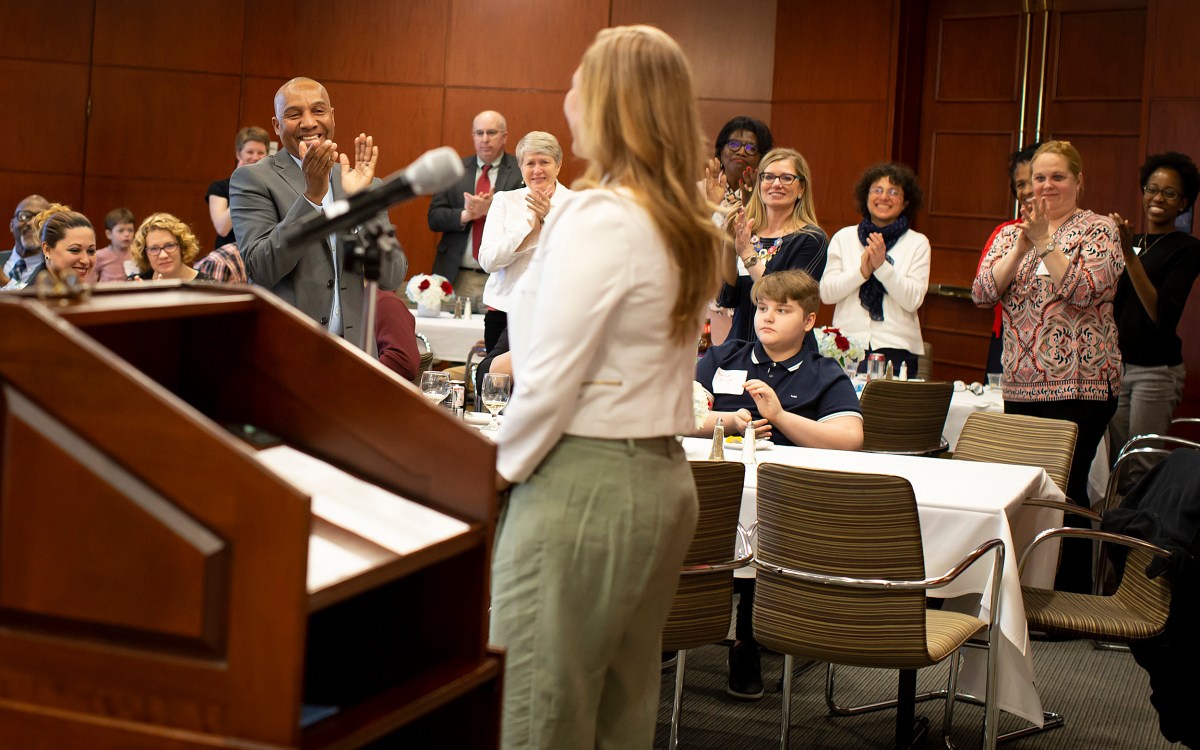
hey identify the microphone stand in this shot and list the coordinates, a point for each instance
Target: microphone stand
(365, 250)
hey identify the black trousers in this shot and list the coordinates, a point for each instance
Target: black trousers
(494, 323)
(1092, 418)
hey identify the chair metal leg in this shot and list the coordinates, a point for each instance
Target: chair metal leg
(677, 705)
(836, 710)
(1050, 720)
(1107, 646)
(786, 719)
(951, 691)
(991, 708)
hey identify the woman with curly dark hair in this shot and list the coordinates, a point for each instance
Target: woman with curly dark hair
(1160, 266)
(878, 270)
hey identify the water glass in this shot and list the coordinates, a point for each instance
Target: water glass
(435, 386)
(994, 380)
(495, 390)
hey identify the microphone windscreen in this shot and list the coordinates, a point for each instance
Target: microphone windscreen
(435, 171)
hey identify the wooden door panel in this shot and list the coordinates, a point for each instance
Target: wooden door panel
(970, 123)
(962, 43)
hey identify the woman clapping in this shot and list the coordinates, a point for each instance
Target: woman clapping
(603, 332)
(1055, 274)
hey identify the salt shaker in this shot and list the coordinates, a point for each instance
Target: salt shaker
(748, 446)
(718, 442)
(467, 309)
(903, 371)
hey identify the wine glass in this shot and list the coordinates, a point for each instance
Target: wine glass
(435, 386)
(497, 387)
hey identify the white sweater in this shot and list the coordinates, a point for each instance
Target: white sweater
(506, 227)
(905, 281)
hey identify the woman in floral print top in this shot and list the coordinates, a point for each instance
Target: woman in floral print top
(1055, 274)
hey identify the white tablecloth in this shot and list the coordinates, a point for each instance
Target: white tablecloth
(961, 504)
(451, 338)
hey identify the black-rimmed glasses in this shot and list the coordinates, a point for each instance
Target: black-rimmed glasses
(1170, 194)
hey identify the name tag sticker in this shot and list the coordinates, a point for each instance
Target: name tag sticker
(729, 381)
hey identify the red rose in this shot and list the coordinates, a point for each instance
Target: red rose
(447, 289)
(842, 342)
(423, 285)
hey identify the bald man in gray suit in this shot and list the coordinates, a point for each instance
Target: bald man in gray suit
(269, 198)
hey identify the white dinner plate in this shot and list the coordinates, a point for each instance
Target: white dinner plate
(759, 445)
(479, 418)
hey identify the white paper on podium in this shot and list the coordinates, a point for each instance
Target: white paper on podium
(385, 519)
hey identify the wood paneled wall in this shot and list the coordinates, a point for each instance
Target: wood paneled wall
(136, 103)
(1171, 122)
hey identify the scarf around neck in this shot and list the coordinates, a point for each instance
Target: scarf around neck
(870, 294)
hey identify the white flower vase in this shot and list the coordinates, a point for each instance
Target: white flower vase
(429, 311)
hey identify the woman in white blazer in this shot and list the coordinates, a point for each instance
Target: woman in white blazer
(878, 270)
(603, 331)
(514, 226)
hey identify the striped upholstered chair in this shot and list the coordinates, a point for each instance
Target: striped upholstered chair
(1137, 610)
(841, 579)
(1019, 439)
(905, 416)
(701, 610)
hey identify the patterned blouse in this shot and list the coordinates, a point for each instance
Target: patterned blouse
(1060, 343)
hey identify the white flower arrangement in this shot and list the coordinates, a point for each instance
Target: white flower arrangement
(702, 402)
(843, 347)
(429, 289)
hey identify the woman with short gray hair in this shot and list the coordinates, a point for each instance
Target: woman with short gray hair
(514, 226)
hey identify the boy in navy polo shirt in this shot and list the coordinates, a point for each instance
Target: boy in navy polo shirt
(789, 393)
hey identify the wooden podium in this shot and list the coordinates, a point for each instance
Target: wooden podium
(162, 586)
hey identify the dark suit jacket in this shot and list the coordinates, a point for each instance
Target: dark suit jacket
(267, 199)
(446, 209)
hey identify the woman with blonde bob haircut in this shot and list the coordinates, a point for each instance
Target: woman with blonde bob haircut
(603, 329)
(777, 231)
(164, 248)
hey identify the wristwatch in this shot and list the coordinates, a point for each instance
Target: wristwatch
(751, 261)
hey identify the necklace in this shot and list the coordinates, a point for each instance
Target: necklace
(1141, 249)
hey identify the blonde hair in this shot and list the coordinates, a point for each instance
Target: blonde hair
(640, 129)
(189, 247)
(1063, 149)
(804, 211)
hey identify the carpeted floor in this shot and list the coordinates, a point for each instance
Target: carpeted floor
(1104, 695)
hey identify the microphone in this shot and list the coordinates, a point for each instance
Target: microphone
(432, 172)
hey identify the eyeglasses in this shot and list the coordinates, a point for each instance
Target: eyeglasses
(170, 247)
(24, 215)
(1168, 193)
(893, 192)
(783, 179)
(749, 149)
(488, 133)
